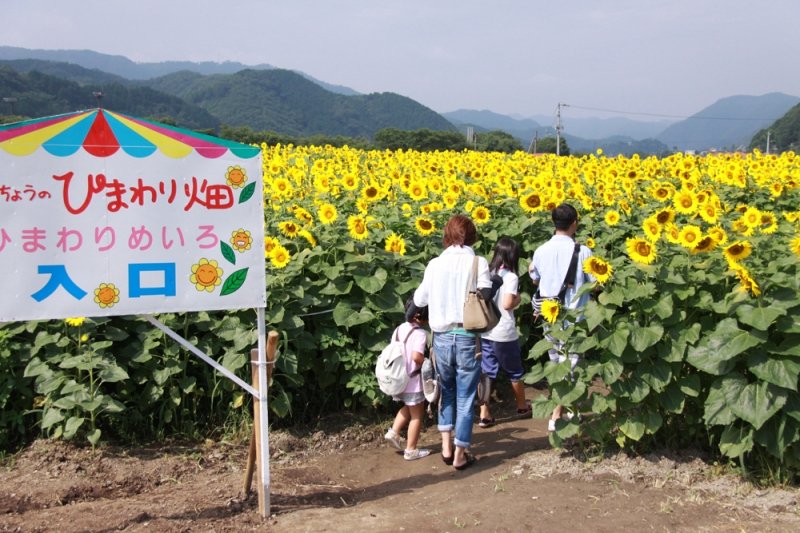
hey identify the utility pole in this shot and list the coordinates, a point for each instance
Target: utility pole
(99, 95)
(559, 128)
(10, 102)
(768, 132)
(533, 142)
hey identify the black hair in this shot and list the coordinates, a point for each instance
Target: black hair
(422, 312)
(506, 253)
(563, 217)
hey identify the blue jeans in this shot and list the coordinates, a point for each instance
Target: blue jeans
(459, 374)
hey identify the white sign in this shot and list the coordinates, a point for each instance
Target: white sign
(119, 235)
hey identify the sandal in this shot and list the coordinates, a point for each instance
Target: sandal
(470, 461)
(419, 453)
(447, 460)
(527, 409)
(487, 422)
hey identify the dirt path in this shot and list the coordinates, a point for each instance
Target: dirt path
(352, 481)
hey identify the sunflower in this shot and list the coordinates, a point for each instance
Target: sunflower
(269, 245)
(685, 202)
(550, 310)
(289, 228)
(396, 244)
(776, 189)
(282, 187)
(718, 234)
(531, 202)
(673, 233)
(362, 206)
(350, 182)
(612, 218)
(661, 193)
(737, 251)
(417, 191)
(665, 216)
(770, 220)
(481, 215)
(303, 216)
(706, 244)
(598, 268)
(425, 226)
(752, 217)
(371, 193)
(690, 236)
(358, 227)
(590, 243)
(709, 213)
(307, 236)
(640, 250)
(469, 206)
(75, 321)
(652, 229)
(795, 246)
(450, 200)
(280, 257)
(406, 210)
(747, 281)
(327, 214)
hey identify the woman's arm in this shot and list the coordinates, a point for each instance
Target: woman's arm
(510, 301)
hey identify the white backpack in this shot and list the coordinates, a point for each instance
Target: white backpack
(391, 368)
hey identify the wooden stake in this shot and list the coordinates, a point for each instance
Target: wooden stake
(255, 440)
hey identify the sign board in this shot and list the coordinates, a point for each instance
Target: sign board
(130, 218)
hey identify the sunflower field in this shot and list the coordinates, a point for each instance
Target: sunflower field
(692, 335)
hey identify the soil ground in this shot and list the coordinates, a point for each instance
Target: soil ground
(349, 479)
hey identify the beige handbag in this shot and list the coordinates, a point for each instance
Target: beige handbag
(480, 316)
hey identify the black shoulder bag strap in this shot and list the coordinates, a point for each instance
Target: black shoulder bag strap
(572, 271)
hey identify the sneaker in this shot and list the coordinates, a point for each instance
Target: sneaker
(394, 439)
(419, 453)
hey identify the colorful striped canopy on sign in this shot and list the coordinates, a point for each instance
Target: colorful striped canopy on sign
(102, 133)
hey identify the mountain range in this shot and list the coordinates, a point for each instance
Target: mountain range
(208, 94)
(125, 68)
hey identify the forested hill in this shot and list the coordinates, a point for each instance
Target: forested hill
(784, 133)
(285, 102)
(67, 71)
(41, 95)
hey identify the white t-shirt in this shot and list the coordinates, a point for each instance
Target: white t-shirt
(444, 287)
(549, 267)
(506, 329)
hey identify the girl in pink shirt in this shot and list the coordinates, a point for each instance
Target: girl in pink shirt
(412, 397)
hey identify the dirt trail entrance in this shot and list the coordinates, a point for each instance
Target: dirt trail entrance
(352, 481)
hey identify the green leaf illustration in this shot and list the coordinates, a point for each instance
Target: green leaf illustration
(234, 282)
(227, 253)
(247, 192)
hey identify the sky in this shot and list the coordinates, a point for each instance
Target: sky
(511, 57)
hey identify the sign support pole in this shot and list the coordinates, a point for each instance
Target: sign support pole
(262, 442)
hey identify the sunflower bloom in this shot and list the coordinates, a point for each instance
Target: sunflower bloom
(612, 218)
(550, 310)
(75, 321)
(358, 227)
(425, 226)
(395, 244)
(665, 216)
(327, 214)
(652, 229)
(747, 282)
(289, 228)
(795, 246)
(590, 243)
(718, 234)
(685, 202)
(752, 217)
(532, 202)
(307, 236)
(673, 233)
(737, 251)
(706, 244)
(280, 257)
(641, 251)
(481, 215)
(598, 268)
(690, 236)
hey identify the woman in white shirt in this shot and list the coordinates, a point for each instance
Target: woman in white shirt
(443, 290)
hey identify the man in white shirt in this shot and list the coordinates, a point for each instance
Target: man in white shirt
(548, 269)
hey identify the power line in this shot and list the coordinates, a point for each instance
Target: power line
(667, 116)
